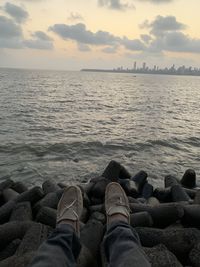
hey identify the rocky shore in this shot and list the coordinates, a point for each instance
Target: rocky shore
(166, 219)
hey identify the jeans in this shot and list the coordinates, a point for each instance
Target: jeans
(121, 247)
(60, 250)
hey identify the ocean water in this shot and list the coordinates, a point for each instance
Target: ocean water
(69, 125)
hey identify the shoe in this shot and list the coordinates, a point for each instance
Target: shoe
(116, 202)
(70, 207)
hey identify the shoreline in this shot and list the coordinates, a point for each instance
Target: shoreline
(139, 72)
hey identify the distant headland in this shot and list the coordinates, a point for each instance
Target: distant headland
(182, 70)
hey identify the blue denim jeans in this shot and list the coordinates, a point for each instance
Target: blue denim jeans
(60, 250)
(121, 247)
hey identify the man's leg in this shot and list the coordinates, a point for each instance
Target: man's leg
(60, 250)
(62, 247)
(121, 243)
(122, 246)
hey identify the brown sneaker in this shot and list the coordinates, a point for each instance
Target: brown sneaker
(70, 207)
(116, 204)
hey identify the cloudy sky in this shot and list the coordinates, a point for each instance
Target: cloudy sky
(75, 34)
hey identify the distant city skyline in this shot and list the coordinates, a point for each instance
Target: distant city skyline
(144, 68)
(70, 35)
(176, 70)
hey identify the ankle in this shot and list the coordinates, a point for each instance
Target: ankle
(117, 217)
(69, 222)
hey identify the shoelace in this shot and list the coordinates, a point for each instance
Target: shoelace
(68, 208)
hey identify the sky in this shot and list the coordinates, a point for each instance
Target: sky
(76, 34)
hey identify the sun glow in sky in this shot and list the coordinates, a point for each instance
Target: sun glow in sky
(75, 34)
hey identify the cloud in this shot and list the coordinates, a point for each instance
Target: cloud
(16, 12)
(80, 34)
(116, 4)
(134, 45)
(83, 47)
(40, 41)
(166, 35)
(145, 38)
(157, 1)
(161, 25)
(8, 28)
(42, 36)
(10, 33)
(84, 37)
(179, 42)
(110, 49)
(74, 16)
(11, 36)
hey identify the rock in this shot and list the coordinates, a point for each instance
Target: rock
(194, 255)
(129, 187)
(99, 188)
(1, 199)
(87, 187)
(49, 186)
(91, 236)
(141, 219)
(11, 231)
(115, 171)
(47, 216)
(50, 200)
(170, 180)
(147, 191)
(33, 238)
(21, 212)
(163, 195)
(178, 194)
(62, 185)
(99, 208)
(10, 249)
(160, 256)
(178, 241)
(96, 201)
(6, 210)
(86, 259)
(133, 200)
(175, 225)
(153, 201)
(163, 215)
(142, 200)
(84, 215)
(189, 179)
(18, 261)
(191, 192)
(140, 179)
(6, 184)
(32, 195)
(197, 197)
(124, 174)
(19, 187)
(99, 217)
(192, 216)
(86, 200)
(9, 194)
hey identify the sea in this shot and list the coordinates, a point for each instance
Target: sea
(68, 126)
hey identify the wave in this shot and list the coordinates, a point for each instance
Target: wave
(96, 147)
